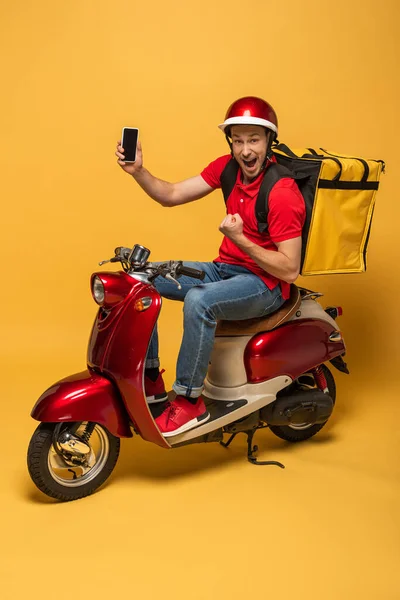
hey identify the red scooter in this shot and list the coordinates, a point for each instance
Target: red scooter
(265, 372)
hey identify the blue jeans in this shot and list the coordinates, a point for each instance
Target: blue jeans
(229, 292)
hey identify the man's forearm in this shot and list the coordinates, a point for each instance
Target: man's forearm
(161, 191)
(275, 263)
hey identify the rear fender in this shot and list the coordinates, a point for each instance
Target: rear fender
(292, 349)
(85, 396)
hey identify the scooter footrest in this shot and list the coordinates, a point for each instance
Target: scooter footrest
(218, 408)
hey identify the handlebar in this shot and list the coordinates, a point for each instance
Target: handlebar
(182, 270)
(136, 259)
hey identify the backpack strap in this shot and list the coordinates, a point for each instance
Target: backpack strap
(285, 149)
(228, 178)
(272, 175)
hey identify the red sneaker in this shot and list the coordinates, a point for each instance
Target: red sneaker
(155, 390)
(180, 415)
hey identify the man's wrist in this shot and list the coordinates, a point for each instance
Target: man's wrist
(242, 241)
(138, 173)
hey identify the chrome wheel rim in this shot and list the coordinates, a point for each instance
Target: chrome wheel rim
(301, 426)
(77, 475)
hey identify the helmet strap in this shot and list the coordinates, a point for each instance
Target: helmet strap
(268, 155)
(228, 139)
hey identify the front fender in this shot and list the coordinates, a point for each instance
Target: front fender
(85, 396)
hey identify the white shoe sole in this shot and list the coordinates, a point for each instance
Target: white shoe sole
(154, 400)
(189, 425)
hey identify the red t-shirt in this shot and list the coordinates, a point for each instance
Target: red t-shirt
(286, 218)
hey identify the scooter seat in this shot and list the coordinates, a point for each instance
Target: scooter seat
(259, 324)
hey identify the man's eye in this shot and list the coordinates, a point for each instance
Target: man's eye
(254, 141)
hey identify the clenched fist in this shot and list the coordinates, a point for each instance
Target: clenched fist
(232, 227)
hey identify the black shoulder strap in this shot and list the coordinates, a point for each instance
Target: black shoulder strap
(272, 175)
(285, 149)
(228, 178)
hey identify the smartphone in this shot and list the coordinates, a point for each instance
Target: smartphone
(129, 142)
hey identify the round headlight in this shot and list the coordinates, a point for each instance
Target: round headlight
(98, 290)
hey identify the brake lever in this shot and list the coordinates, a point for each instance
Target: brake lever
(113, 259)
(168, 276)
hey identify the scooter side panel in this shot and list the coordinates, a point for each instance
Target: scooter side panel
(124, 361)
(85, 396)
(291, 349)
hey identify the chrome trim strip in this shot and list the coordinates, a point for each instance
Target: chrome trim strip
(144, 277)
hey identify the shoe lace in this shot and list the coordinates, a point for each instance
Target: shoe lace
(172, 411)
(171, 408)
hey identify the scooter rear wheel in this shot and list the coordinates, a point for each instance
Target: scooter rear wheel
(57, 476)
(305, 431)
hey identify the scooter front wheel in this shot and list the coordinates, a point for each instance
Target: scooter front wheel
(71, 465)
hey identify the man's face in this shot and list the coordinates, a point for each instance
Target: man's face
(249, 146)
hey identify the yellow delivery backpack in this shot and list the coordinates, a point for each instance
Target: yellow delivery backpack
(339, 193)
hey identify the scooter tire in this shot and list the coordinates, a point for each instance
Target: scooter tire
(38, 465)
(291, 434)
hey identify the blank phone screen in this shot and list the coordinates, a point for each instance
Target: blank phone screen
(129, 142)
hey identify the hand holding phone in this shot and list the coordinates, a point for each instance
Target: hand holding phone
(129, 143)
(131, 150)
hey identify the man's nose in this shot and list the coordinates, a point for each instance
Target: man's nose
(246, 150)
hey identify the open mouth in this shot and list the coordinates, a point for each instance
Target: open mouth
(250, 164)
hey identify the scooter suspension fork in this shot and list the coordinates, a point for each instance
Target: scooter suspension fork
(85, 436)
(320, 379)
(88, 432)
(67, 440)
(73, 449)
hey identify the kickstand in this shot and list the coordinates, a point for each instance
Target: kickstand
(250, 450)
(226, 444)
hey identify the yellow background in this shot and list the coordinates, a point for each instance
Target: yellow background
(196, 522)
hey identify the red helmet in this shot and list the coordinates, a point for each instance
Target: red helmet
(251, 111)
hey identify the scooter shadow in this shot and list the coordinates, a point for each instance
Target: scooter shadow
(140, 459)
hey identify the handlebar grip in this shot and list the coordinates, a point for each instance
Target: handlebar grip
(182, 270)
